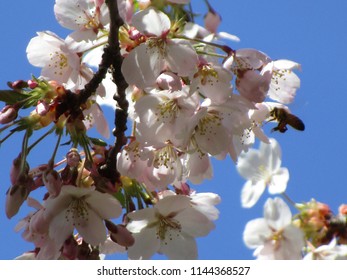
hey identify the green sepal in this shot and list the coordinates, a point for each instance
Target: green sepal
(11, 97)
(120, 197)
(97, 141)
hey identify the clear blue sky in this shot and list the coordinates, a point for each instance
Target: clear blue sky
(312, 33)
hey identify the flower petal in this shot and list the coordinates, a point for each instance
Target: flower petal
(142, 66)
(256, 233)
(91, 229)
(194, 222)
(146, 244)
(277, 213)
(248, 164)
(181, 57)
(171, 205)
(104, 205)
(251, 193)
(179, 247)
(279, 180)
(151, 22)
(61, 227)
(271, 154)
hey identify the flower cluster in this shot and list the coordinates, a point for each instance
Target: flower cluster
(189, 98)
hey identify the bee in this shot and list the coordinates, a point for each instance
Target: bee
(283, 117)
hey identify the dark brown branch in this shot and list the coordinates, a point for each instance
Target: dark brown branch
(111, 59)
(109, 170)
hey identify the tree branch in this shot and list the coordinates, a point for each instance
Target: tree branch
(109, 170)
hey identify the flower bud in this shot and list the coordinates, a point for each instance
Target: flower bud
(169, 81)
(32, 84)
(52, 181)
(8, 114)
(15, 196)
(120, 235)
(73, 158)
(15, 169)
(20, 84)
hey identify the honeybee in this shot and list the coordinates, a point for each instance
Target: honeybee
(283, 117)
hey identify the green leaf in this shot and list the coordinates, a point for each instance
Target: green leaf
(11, 97)
(97, 141)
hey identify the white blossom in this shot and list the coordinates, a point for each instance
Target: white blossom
(143, 65)
(274, 237)
(83, 209)
(262, 168)
(169, 228)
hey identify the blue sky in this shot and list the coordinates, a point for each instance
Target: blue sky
(312, 33)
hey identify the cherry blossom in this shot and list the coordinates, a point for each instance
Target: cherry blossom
(58, 62)
(274, 236)
(142, 66)
(284, 82)
(169, 228)
(94, 117)
(166, 114)
(262, 168)
(35, 229)
(81, 14)
(184, 98)
(331, 251)
(213, 82)
(83, 209)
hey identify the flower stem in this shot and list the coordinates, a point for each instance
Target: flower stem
(7, 136)
(286, 197)
(224, 48)
(51, 161)
(40, 139)
(25, 151)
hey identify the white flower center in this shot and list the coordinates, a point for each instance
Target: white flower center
(59, 62)
(167, 110)
(263, 174)
(77, 212)
(166, 223)
(166, 156)
(158, 44)
(208, 75)
(208, 123)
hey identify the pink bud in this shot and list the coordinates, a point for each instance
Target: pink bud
(122, 236)
(73, 158)
(52, 181)
(15, 169)
(19, 84)
(32, 84)
(8, 114)
(15, 197)
(169, 81)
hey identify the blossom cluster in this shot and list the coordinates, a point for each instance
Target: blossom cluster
(189, 98)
